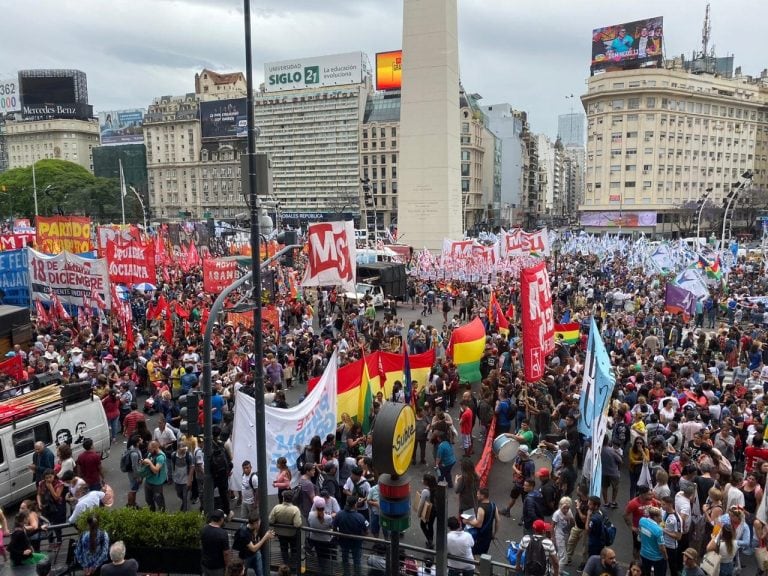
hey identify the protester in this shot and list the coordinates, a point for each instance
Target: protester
(119, 565)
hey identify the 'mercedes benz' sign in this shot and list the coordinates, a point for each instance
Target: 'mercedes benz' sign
(52, 111)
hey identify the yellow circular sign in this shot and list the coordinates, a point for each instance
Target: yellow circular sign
(403, 440)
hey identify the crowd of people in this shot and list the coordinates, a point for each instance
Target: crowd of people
(687, 419)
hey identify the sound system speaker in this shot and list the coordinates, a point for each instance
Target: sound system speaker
(76, 392)
(45, 379)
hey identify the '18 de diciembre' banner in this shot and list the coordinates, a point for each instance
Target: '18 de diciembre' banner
(131, 262)
(537, 319)
(64, 234)
(72, 278)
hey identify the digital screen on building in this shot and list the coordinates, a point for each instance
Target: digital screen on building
(224, 118)
(389, 69)
(38, 90)
(629, 45)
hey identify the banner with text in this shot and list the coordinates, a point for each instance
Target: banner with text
(218, 274)
(70, 277)
(115, 233)
(57, 234)
(287, 430)
(332, 255)
(521, 243)
(131, 262)
(538, 323)
(16, 241)
(14, 277)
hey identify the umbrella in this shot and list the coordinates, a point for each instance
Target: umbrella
(144, 287)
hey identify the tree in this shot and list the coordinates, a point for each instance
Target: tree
(65, 187)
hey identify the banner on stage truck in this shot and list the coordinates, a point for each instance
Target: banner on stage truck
(57, 234)
(14, 277)
(538, 321)
(71, 277)
(332, 255)
(287, 430)
(218, 274)
(16, 241)
(131, 262)
(521, 243)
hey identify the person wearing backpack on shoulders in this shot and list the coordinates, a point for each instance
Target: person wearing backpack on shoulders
(356, 489)
(540, 553)
(673, 533)
(249, 489)
(181, 473)
(594, 523)
(130, 463)
(221, 467)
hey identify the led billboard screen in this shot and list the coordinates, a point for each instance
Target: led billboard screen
(629, 45)
(224, 118)
(389, 69)
(121, 127)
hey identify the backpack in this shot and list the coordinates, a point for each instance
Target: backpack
(125, 461)
(220, 464)
(536, 562)
(609, 532)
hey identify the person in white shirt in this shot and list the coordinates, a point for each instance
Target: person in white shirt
(459, 545)
(85, 501)
(164, 436)
(249, 490)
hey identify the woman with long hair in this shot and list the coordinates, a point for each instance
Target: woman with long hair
(92, 547)
(36, 523)
(467, 483)
(322, 541)
(283, 479)
(426, 510)
(638, 454)
(724, 544)
(66, 462)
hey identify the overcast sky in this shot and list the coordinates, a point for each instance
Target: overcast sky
(530, 53)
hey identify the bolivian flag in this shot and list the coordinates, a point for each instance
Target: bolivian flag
(466, 347)
(569, 332)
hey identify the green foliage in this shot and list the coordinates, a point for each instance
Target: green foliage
(142, 527)
(73, 190)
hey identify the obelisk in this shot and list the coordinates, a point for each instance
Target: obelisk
(429, 179)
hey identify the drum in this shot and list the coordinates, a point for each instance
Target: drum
(505, 448)
(542, 459)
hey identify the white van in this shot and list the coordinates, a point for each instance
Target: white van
(66, 414)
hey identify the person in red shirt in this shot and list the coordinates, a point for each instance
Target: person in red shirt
(89, 466)
(753, 453)
(131, 420)
(111, 404)
(465, 427)
(638, 508)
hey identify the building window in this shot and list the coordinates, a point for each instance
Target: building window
(633, 103)
(465, 185)
(617, 104)
(394, 132)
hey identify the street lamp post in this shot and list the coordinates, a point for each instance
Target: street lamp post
(702, 203)
(746, 178)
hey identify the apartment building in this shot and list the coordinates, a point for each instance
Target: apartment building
(659, 138)
(28, 141)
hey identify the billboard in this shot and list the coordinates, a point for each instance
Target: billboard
(389, 69)
(322, 71)
(616, 219)
(10, 97)
(224, 118)
(47, 95)
(629, 45)
(121, 127)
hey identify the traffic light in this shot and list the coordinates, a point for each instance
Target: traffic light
(286, 239)
(189, 413)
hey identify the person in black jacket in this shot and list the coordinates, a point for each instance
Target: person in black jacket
(534, 507)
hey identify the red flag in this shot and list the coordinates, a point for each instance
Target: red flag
(181, 312)
(204, 315)
(97, 299)
(13, 367)
(193, 258)
(168, 333)
(157, 310)
(42, 313)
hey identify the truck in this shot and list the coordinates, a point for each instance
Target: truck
(380, 280)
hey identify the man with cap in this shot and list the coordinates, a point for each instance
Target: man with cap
(541, 536)
(285, 519)
(214, 543)
(691, 563)
(523, 468)
(549, 490)
(603, 564)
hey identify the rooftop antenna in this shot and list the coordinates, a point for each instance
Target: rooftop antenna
(706, 32)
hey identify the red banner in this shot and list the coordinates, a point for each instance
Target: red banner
(485, 464)
(16, 241)
(537, 320)
(218, 274)
(13, 367)
(332, 255)
(131, 263)
(58, 234)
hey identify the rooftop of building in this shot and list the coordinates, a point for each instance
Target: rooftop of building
(382, 107)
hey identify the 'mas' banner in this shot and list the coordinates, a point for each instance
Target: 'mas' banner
(64, 234)
(131, 262)
(14, 277)
(286, 429)
(72, 278)
(537, 319)
(332, 255)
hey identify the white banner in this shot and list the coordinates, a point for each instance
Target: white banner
(332, 255)
(521, 243)
(287, 431)
(71, 277)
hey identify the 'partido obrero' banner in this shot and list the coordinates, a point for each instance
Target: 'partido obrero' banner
(72, 278)
(131, 262)
(537, 320)
(57, 234)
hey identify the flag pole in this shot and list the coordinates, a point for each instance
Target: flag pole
(122, 189)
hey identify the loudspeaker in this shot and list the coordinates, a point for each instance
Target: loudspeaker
(46, 379)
